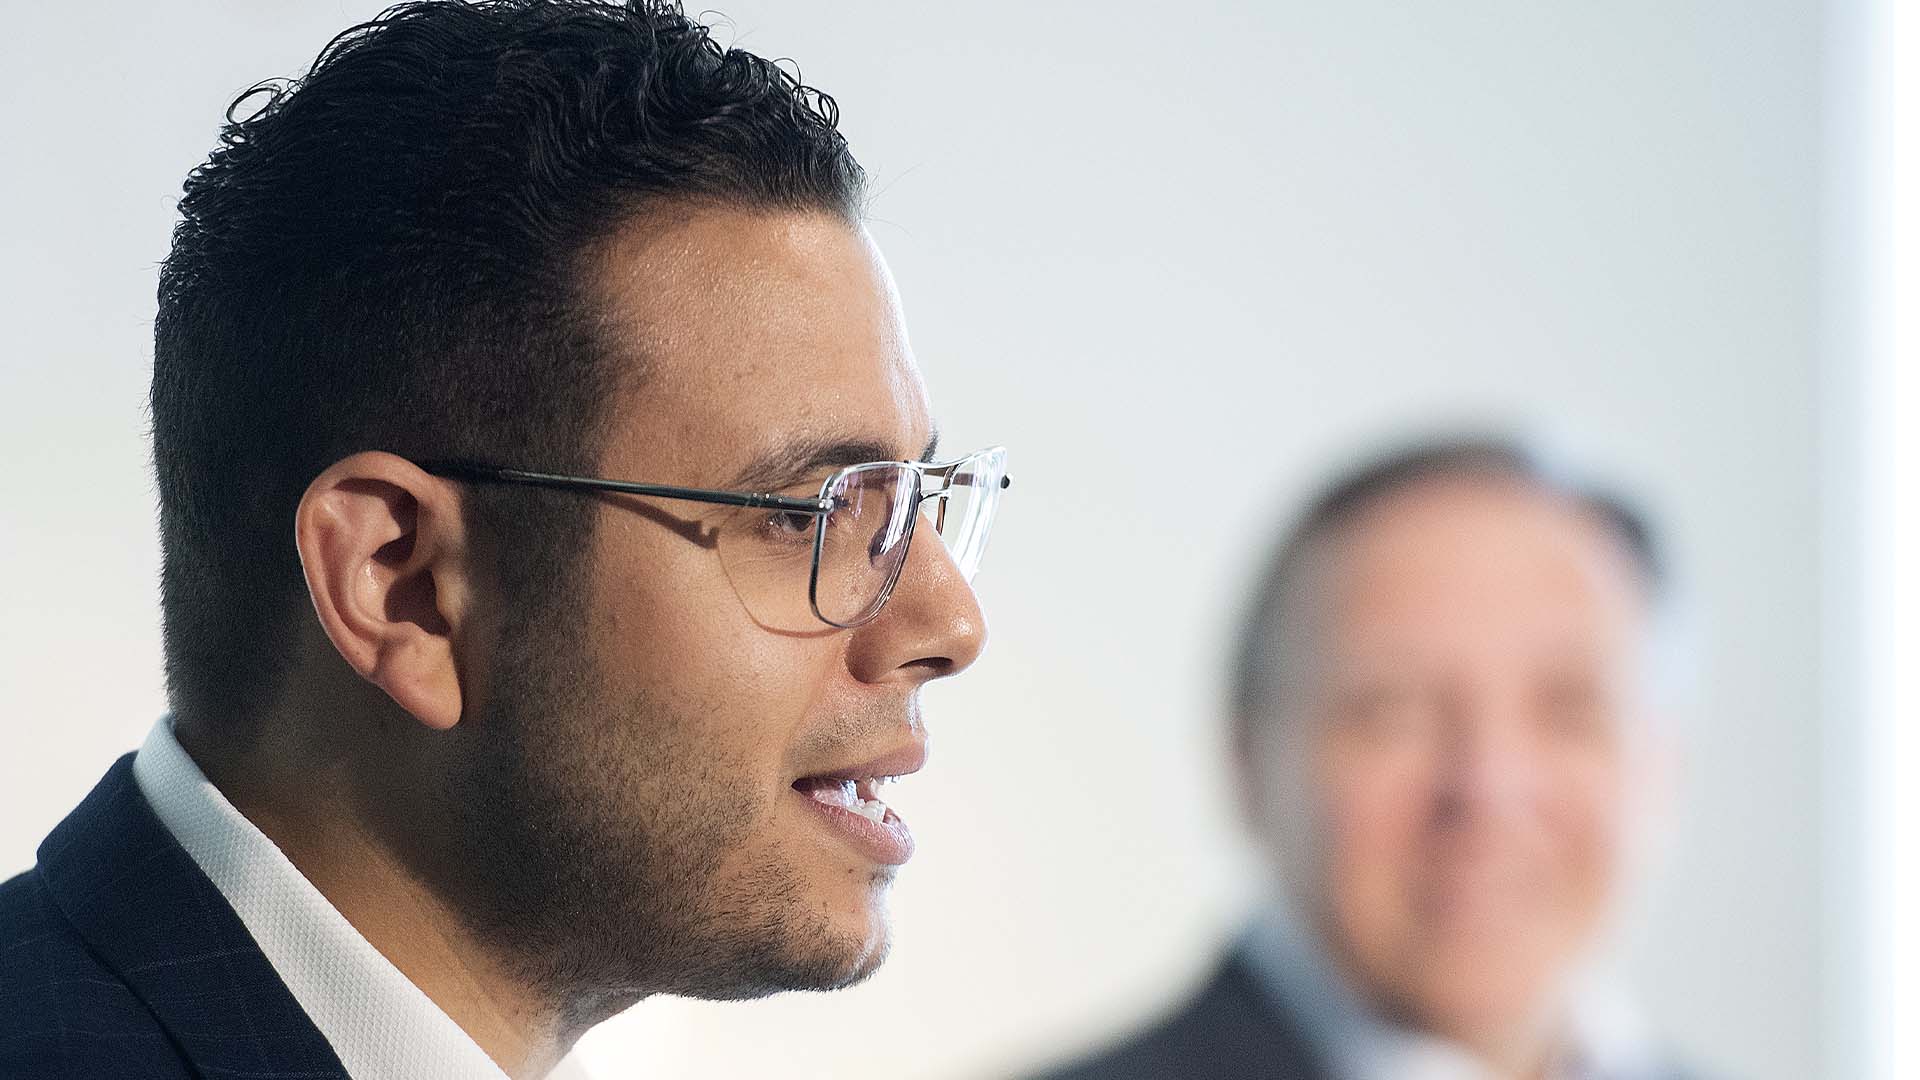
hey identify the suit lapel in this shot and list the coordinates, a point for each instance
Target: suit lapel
(144, 907)
(1274, 1040)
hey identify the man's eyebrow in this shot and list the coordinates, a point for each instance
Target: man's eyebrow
(807, 459)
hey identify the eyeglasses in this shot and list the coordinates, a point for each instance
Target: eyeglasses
(851, 538)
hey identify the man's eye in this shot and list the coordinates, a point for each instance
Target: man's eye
(789, 523)
(1384, 713)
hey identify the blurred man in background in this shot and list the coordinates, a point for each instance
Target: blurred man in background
(1447, 742)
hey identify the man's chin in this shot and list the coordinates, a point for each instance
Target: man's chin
(815, 968)
(850, 957)
(1476, 1009)
(857, 972)
(814, 940)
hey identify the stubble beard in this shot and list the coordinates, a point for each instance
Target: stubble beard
(594, 842)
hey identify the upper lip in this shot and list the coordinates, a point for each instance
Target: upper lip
(900, 761)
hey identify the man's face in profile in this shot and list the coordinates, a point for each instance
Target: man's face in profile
(1460, 764)
(643, 803)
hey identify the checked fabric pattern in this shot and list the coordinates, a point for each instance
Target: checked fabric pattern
(119, 958)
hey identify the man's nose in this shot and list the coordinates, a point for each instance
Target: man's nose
(931, 626)
(1486, 771)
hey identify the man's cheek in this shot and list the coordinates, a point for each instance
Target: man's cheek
(1362, 859)
(1584, 842)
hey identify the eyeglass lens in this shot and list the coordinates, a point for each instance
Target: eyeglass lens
(862, 544)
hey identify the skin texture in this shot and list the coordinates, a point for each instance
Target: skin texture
(544, 812)
(1455, 782)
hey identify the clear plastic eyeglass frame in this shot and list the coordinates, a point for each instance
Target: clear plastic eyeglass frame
(976, 480)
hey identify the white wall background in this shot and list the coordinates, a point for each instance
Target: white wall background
(1180, 258)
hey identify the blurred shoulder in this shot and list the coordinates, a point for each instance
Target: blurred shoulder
(1228, 1030)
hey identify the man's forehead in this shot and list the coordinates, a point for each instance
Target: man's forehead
(1467, 564)
(1462, 532)
(765, 343)
(680, 277)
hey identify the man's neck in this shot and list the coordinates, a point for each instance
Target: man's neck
(388, 904)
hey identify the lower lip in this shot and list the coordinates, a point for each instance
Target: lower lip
(888, 842)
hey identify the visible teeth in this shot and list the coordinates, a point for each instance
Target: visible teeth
(859, 796)
(844, 794)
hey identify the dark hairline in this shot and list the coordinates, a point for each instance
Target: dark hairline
(1478, 460)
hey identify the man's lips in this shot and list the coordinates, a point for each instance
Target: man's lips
(904, 760)
(847, 798)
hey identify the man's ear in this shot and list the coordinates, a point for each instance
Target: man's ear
(384, 550)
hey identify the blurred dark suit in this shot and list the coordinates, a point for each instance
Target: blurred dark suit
(1235, 1028)
(1231, 1030)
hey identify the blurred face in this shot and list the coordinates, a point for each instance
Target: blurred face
(1452, 784)
(672, 792)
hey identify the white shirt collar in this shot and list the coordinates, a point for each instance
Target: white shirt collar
(1606, 1036)
(381, 1025)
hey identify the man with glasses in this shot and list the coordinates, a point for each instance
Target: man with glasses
(556, 542)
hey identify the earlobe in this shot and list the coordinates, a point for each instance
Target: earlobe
(383, 550)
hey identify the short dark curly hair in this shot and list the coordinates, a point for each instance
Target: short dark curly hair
(390, 253)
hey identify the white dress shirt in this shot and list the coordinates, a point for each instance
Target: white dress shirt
(1605, 1036)
(380, 1024)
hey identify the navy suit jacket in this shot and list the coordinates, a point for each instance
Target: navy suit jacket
(1233, 1029)
(119, 958)
(1230, 1030)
